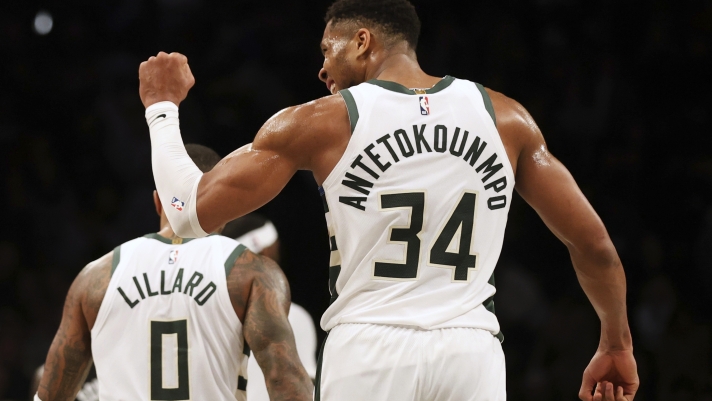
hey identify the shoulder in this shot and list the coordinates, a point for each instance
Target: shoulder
(249, 266)
(306, 126)
(327, 106)
(511, 115)
(316, 114)
(517, 128)
(254, 274)
(90, 286)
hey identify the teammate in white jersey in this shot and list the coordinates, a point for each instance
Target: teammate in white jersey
(417, 174)
(168, 318)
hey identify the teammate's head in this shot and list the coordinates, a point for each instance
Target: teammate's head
(255, 232)
(359, 32)
(203, 157)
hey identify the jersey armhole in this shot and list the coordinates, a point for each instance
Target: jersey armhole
(487, 101)
(115, 260)
(230, 262)
(350, 107)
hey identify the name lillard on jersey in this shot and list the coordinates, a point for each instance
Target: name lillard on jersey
(192, 283)
(476, 148)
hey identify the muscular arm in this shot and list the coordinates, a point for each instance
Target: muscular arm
(307, 137)
(549, 188)
(260, 295)
(311, 136)
(69, 358)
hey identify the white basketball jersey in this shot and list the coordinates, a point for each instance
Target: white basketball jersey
(416, 208)
(166, 329)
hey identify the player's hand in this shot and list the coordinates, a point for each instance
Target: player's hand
(614, 375)
(165, 77)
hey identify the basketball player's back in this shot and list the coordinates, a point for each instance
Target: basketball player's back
(416, 211)
(168, 319)
(411, 247)
(166, 328)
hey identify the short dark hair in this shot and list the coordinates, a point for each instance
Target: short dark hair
(203, 157)
(395, 17)
(243, 225)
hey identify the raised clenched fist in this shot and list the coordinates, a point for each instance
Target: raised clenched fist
(165, 77)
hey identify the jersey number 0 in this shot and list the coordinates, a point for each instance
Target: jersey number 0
(169, 343)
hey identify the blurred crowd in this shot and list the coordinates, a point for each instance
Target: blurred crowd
(619, 88)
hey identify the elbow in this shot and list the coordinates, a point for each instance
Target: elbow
(184, 225)
(184, 231)
(596, 249)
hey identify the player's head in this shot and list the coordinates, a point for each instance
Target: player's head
(255, 232)
(203, 157)
(359, 33)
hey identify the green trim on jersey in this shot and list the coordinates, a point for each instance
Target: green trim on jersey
(396, 87)
(115, 259)
(319, 363)
(230, 262)
(489, 305)
(488, 102)
(175, 241)
(350, 107)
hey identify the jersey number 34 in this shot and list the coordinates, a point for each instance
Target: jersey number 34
(461, 219)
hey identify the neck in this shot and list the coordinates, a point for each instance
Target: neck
(166, 230)
(401, 67)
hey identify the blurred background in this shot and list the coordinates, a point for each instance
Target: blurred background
(620, 89)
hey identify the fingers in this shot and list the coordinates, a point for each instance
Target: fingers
(609, 392)
(606, 391)
(621, 396)
(587, 385)
(173, 55)
(598, 394)
(180, 57)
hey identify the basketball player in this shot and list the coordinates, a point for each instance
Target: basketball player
(167, 318)
(417, 174)
(260, 236)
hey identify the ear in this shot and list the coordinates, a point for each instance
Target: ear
(364, 42)
(157, 203)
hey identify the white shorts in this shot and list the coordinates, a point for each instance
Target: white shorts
(368, 362)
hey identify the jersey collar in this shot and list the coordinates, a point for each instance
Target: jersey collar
(396, 87)
(174, 241)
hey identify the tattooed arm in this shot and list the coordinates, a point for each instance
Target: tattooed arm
(260, 295)
(69, 358)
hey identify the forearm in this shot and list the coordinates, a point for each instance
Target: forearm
(602, 278)
(285, 377)
(175, 174)
(66, 369)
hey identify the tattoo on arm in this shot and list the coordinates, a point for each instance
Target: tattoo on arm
(260, 290)
(69, 359)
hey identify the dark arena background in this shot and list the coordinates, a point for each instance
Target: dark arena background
(620, 88)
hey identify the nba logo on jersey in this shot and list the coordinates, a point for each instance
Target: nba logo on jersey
(173, 257)
(176, 203)
(424, 106)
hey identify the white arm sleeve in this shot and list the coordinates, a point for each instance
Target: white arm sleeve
(176, 175)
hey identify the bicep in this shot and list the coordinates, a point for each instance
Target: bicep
(69, 358)
(241, 183)
(545, 183)
(266, 315)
